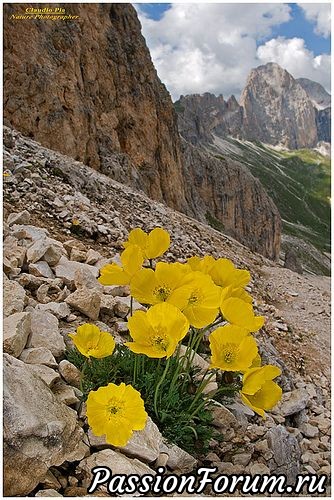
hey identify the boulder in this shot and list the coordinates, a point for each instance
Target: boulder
(14, 297)
(293, 402)
(46, 249)
(144, 445)
(59, 309)
(87, 301)
(16, 330)
(286, 453)
(70, 373)
(178, 460)
(41, 268)
(39, 432)
(38, 356)
(117, 462)
(18, 218)
(66, 269)
(45, 333)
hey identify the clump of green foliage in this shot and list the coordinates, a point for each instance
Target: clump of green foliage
(179, 421)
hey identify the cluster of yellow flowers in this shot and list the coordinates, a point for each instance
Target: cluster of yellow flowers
(200, 294)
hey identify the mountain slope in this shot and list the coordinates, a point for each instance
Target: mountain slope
(321, 99)
(299, 183)
(88, 89)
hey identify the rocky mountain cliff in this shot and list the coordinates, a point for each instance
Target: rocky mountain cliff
(274, 108)
(88, 89)
(277, 110)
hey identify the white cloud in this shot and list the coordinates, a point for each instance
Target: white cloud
(292, 55)
(209, 47)
(320, 14)
(205, 47)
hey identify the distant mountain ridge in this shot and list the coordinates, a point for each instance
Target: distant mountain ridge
(274, 108)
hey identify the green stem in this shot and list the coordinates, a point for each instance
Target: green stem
(158, 387)
(83, 374)
(135, 367)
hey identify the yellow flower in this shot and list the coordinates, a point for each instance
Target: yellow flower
(157, 332)
(237, 312)
(132, 259)
(203, 264)
(232, 349)
(152, 287)
(152, 245)
(259, 392)
(90, 341)
(75, 222)
(198, 298)
(238, 293)
(116, 411)
(225, 274)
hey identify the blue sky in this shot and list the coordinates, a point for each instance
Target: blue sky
(190, 58)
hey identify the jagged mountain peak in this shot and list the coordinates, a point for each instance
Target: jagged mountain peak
(319, 96)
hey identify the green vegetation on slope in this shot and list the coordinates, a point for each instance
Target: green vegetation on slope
(298, 182)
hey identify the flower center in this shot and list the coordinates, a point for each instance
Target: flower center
(91, 346)
(160, 342)
(230, 352)
(194, 298)
(162, 292)
(114, 407)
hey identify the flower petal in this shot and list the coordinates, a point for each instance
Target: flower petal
(158, 242)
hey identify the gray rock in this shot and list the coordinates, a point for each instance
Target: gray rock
(241, 459)
(46, 249)
(16, 330)
(66, 269)
(65, 393)
(48, 493)
(14, 297)
(92, 257)
(178, 460)
(293, 402)
(39, 432)
(223, 418)
(84, 278)
(38, 356)
(87, 301)
(144, 445)
(45, 373)
(58, 309)
(41, 268)
(19, 218)
(29, 232)
(286, 453)
(70, 373)
(45, 333)
(117, 462)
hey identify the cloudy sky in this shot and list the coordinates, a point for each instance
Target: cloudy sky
(201, 47)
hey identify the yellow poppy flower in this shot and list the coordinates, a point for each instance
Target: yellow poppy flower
(132, 260)
(116, 411)
(91, 341)
(238, 293)
(259, 392)
(201, 297)
(152, 245)
(203, 264)
(237, 312)
(232, 349)
(152, 287)
(224, 274)
(157, 332)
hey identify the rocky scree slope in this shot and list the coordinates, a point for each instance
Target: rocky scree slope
(274, 108)
(88, 89)
(63, 222)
